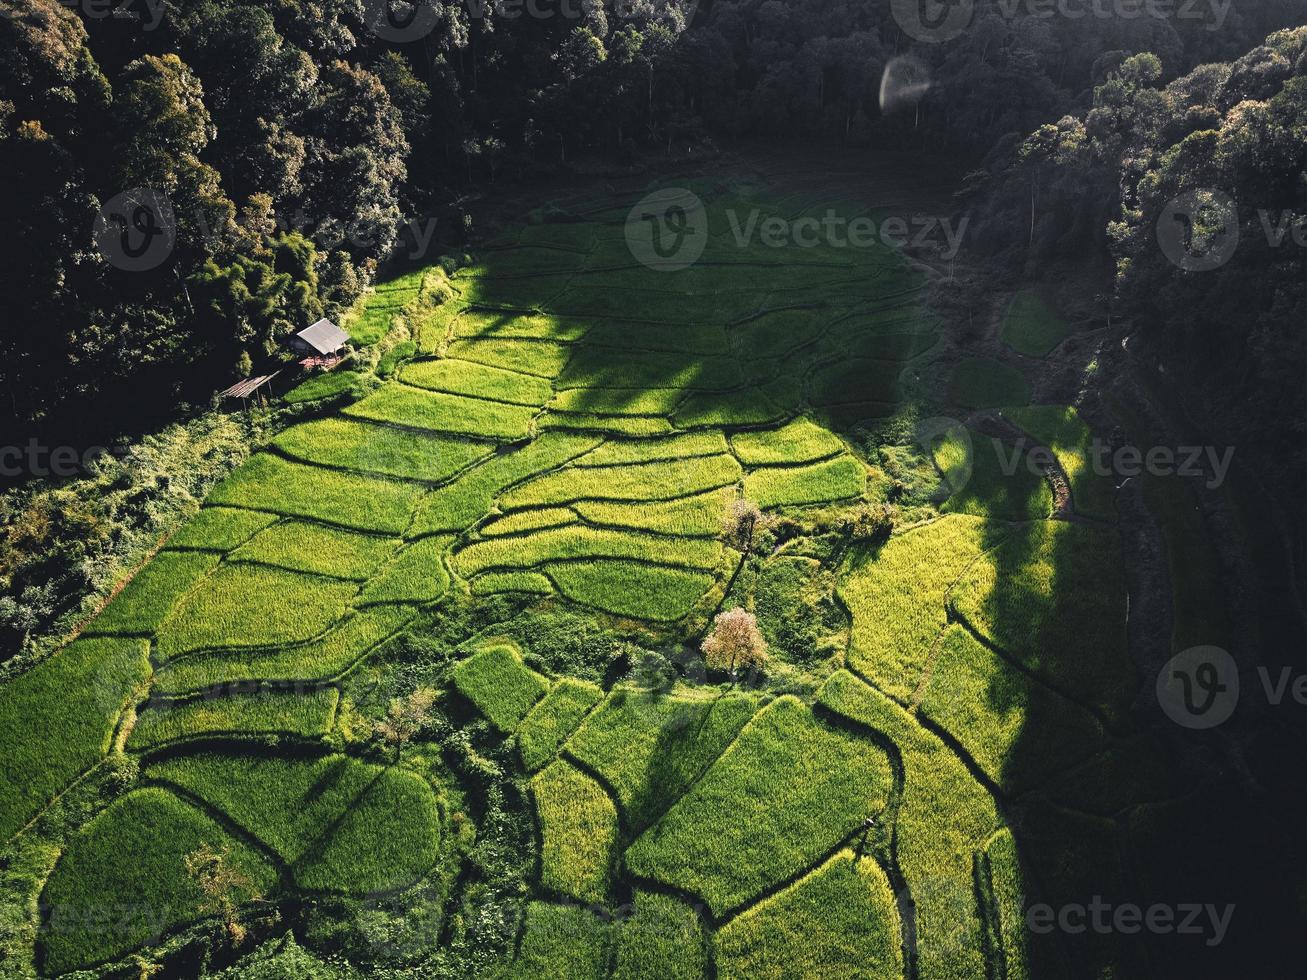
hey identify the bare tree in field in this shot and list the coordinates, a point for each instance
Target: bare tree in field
(406, 717)
(223, 886)
(742, 518)
(735, 641)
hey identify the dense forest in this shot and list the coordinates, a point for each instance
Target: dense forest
(294, 149)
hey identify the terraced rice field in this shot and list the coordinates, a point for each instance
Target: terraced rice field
(571, 434)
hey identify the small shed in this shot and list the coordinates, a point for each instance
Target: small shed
(323, 339)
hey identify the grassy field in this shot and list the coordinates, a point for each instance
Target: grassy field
(838, 921)
(726, 841)
(526, 525)
(500, 685)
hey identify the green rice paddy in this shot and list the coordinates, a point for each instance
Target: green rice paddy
(569, 444)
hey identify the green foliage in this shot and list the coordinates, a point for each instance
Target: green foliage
(650, 746)
(839, 920)
(308, 714)
(402, 405)
(123, 882)
(379, 449)
(245, 605)
(304, 547)
(662, 940)
(726, 840)
(500, 685)
(578, 832)
(836, 479)
(296, 490)
(1032, 326)
(56, 721)
(794, 600)
(984, 383)
(390, 361)
(553, 720)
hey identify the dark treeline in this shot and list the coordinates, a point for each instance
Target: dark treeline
(294, 140)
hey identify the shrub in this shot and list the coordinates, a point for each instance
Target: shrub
(735, 642)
